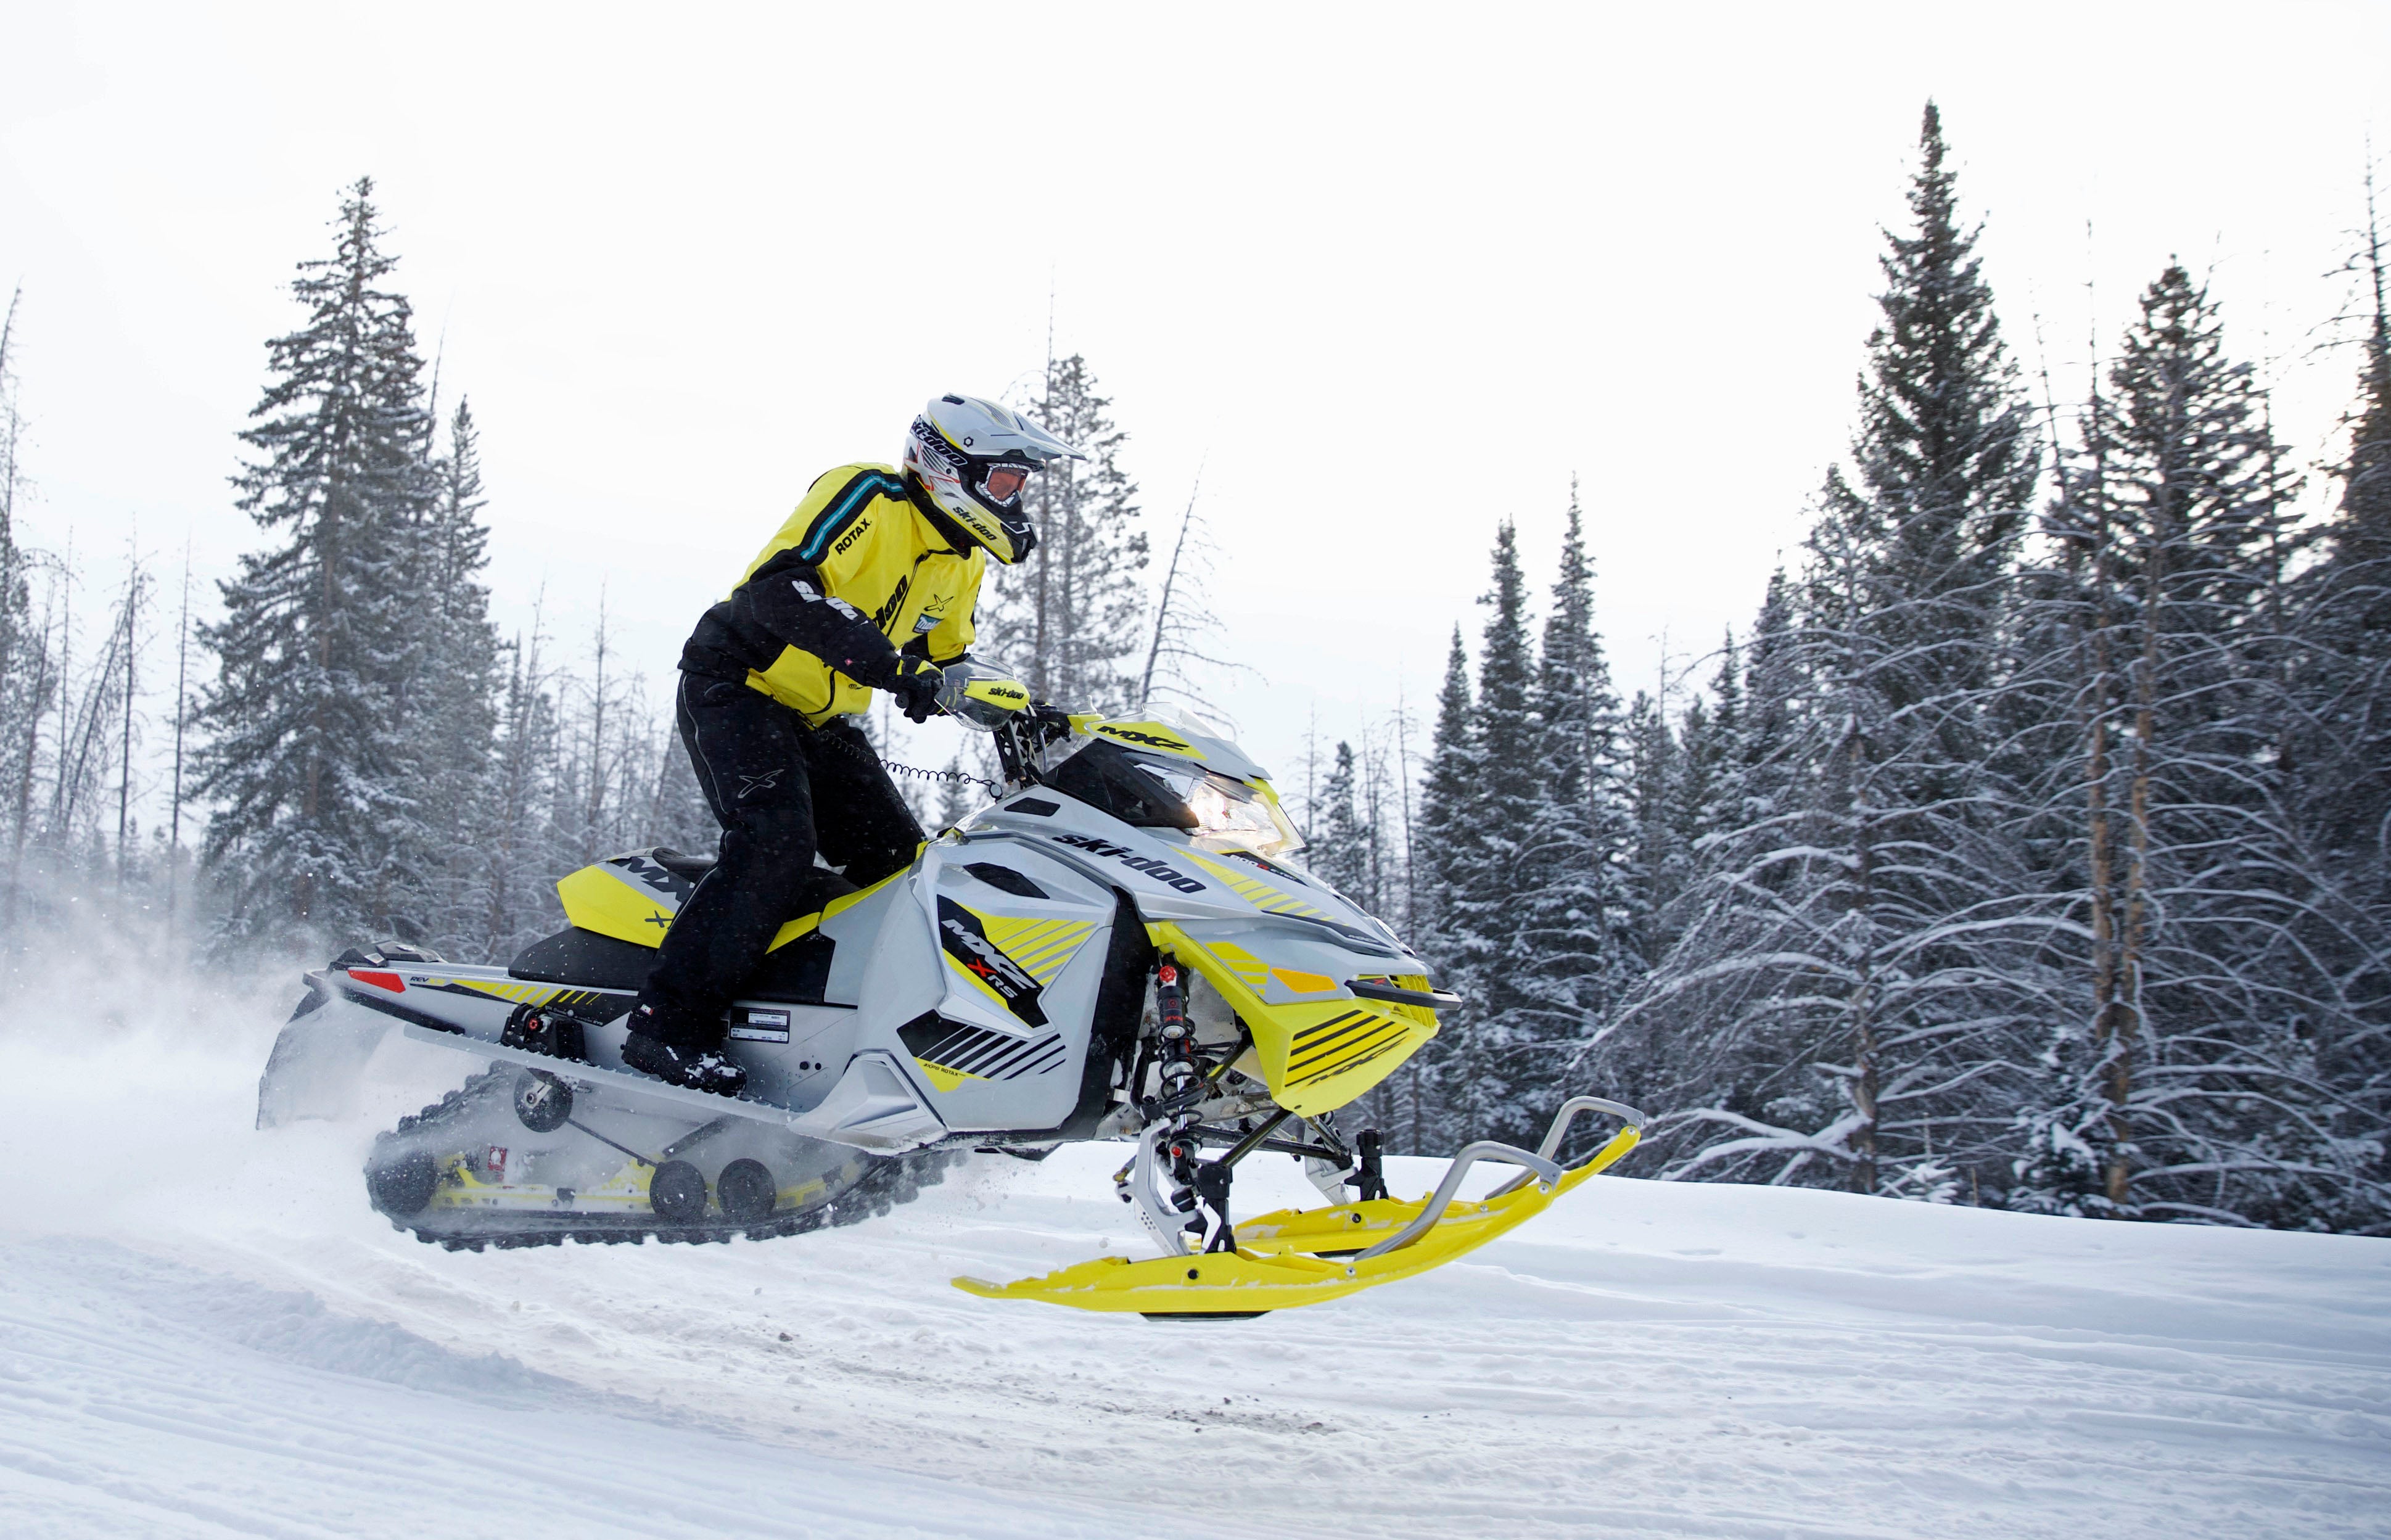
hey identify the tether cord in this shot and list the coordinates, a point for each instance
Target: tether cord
(872, 755)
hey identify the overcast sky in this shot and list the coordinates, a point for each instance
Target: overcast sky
(1387, 275)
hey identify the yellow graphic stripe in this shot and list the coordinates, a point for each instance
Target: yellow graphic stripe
(1041, 947)
(942, 1077)
(598, 898)
(1261, 895)
(1251, 971)
(1316, 1055)
(805, 925)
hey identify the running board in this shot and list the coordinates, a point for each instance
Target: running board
(873, 1108)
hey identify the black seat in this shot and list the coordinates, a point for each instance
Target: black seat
(680, 865)
(822, 885)
(796, 972)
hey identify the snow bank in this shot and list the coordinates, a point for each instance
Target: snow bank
(203, 1330)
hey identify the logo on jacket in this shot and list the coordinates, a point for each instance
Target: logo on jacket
(967, 943)
(763, 782)
(888, 612)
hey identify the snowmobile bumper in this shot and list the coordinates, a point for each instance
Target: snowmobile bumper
(1291, 1258)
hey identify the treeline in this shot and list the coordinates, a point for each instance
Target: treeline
(2033, 849)
(363, 753)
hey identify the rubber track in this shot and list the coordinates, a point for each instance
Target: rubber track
(887, 1182)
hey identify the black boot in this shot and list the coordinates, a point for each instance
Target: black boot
(685, 1064)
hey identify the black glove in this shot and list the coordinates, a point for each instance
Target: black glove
(917, 691)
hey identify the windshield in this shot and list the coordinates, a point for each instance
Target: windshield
(1218, 813)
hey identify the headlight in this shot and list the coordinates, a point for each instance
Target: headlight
(1229, 814)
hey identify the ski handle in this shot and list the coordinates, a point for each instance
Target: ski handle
(1540, 1167)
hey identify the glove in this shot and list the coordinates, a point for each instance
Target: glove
(917, 691)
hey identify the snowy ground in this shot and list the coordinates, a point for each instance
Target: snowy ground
(204, 1331)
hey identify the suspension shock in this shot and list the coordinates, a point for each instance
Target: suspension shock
(1198, 1184)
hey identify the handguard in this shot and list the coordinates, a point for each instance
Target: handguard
(979, 698)
(1291, 1257)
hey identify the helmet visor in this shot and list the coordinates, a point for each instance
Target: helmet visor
(1004, 483)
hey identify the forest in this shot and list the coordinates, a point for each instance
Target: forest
(2030, 848)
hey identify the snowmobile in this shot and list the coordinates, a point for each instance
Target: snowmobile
(1121, 946)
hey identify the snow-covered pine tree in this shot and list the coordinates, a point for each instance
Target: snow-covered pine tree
(1446, 851)
(514, 840)
(27, 677)
(1845, 991)
(1339, 843)
(1710, 736)
(313, 772)
(1657, 860)
(1576, 928)
(454, 697)
(958, 798)
(2193, 1087)
(1494, 1074)
(2340, 747)
(1069, 618)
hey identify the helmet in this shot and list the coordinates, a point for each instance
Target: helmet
(974, 458)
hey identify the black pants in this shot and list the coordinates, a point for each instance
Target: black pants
(781, 790)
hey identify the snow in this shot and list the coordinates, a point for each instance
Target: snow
(204, 1331)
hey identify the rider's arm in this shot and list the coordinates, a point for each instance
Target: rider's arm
(789, 599)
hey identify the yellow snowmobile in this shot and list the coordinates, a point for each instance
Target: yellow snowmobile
(1120, 947)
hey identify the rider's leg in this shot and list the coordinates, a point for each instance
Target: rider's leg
(866, 830)
(744, 746)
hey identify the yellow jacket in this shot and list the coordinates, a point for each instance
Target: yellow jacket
(858, 552)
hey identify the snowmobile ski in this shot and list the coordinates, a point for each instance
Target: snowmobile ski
(1290, 1257)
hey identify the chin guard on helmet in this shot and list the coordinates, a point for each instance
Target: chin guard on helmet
(975, 459)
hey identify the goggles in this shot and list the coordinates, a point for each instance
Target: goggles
(1004, 482)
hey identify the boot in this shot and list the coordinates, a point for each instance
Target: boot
(684, 1063)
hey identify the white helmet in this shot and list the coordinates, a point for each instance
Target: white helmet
(974, 458)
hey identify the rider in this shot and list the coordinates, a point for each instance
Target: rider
(870, 584)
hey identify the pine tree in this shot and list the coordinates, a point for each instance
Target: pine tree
(956, 798)
(1445, 855)
(1340, 844)
(312, 767)
(1575, 927)
(1068, 617)
(27, 678)
(2192, 1086)
(1493, 1071)
(454, 694)
(1846, 987)
(514, 841)
(2340, 754)
(1945, 457)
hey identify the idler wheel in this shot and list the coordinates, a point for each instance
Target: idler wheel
(542, 1102)
(403, 1188)
(677, 1192)
(746, 1191)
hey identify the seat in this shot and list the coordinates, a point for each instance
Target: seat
(680, 864)
(798, 971)
(820, 886)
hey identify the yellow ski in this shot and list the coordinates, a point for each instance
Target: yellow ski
(1289, 1257)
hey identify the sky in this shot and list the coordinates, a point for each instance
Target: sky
(1380, 275)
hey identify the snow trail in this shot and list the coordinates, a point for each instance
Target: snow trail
(204, 1331)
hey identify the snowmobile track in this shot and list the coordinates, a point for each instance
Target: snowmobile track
(880, 1184)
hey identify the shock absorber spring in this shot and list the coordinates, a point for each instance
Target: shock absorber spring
(1178, 1045)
